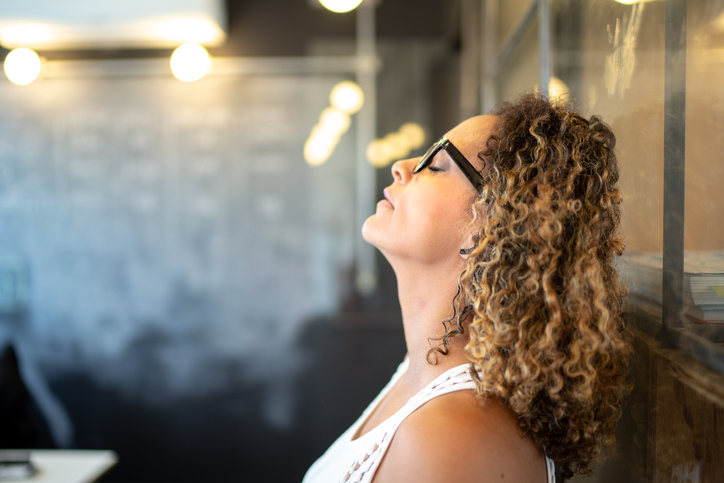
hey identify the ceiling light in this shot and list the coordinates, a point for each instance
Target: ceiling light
(340, 6)
(396, 145)
(194, 30)
(318, 149)
(22, 66)
(414, 133)
(24, 34)
(334, 121)
(347, 97)
(378, 153)
(100, 24)
(190, 62)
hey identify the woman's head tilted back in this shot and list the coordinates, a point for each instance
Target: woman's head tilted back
(547, 332)
(533, 189)
(424, 220)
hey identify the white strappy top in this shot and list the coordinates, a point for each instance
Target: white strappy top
(356, 461)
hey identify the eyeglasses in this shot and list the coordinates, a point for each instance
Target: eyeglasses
(467, 168)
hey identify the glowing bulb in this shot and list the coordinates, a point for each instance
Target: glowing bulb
(399, 146)
(318, 149)
(22, 66)
(190, 62)
(334, 121)
(347, 97)
(340, 6)
(414, 133)
(379, 153)
(628, 2)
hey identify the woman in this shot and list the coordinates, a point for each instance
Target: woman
(507, 231)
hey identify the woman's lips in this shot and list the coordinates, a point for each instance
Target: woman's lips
(387, 197)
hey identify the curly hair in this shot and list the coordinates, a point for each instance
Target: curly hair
(547, 329)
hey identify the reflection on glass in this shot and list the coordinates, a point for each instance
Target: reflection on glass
(521, 73)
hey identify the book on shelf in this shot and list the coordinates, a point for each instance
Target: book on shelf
(703, 289)
(713, 314)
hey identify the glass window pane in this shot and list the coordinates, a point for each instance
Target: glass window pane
(704, 174)
(521, 72)
(510, 13)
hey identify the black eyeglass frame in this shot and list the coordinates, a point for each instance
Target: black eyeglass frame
(465, 166)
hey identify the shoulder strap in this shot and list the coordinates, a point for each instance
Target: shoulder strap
(455, 379)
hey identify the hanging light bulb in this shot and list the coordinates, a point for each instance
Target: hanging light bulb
(22, 66)
(396, 145)
(190, 62)
(318, 149)
(347, 97)
(379, 153)
(334, 121)
(340, 6)
(414, 133)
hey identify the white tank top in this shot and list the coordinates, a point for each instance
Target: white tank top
(356, 461)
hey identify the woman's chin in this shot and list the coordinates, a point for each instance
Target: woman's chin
(372, 233)
(368, 231)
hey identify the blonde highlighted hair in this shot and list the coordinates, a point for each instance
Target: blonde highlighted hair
(547, 332)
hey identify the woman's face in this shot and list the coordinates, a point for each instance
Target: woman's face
(425, 216)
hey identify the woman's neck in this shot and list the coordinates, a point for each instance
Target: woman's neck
(426, 299)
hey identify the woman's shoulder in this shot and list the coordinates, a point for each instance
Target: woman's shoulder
(456, 438)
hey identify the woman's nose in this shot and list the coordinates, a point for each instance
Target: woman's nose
(402, 170)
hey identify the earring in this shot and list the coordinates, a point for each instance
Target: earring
(466, 251)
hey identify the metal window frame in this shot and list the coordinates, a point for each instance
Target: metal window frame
(502, 55)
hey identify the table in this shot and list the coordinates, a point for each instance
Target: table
(70, 466)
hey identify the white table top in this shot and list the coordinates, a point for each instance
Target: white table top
(70, 466)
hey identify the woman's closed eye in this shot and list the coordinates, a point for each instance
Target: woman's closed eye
(438, 165)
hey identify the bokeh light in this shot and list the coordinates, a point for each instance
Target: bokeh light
(399, 146)
(22, 66)
(196, 30)
(414, 133)
(395, 145)
(334, 121)
(318, 149)
(558, 91)
(340, 6)
(378, 153)
(347, 97)
(26, 34)
(190, 62)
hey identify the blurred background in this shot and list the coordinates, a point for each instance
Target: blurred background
(183, 183)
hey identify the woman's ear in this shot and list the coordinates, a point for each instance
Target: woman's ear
(469, 245)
